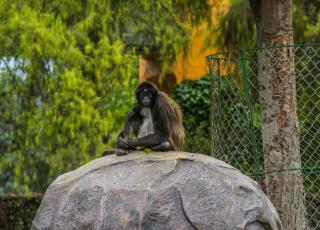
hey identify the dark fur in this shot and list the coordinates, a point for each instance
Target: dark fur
(167, 122)
(168, 116)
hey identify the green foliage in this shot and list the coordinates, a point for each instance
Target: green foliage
(198, 141)
(237, 26)
(68, 70)
(306, 21)
(194, 98)
(17, 212)
(149, 25)
(65, 86)
(147, 150)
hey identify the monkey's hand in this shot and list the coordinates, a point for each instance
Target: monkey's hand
(123, 143)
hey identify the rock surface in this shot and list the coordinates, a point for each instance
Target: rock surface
(172, 190)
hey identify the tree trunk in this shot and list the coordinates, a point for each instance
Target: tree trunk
(149, 70)
(277, 90)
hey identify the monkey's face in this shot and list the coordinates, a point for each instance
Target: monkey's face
(146, 94)
(145, 97)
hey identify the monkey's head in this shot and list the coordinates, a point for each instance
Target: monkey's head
(146, 94)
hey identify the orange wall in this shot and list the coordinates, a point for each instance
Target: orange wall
(193, 65)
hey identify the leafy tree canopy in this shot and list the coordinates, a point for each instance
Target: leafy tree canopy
(67, 74)
(237, 26)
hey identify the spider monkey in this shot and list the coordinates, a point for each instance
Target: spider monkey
(155, 122)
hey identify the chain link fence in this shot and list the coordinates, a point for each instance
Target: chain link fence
(236, 116)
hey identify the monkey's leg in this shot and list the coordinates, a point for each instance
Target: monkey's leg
(163, 147)
(147, 141)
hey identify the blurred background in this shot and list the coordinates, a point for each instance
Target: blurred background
(68, 71)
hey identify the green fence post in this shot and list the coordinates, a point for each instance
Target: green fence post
(215, 78)
(213, 106)
(244, 63)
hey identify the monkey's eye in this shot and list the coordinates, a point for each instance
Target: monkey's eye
(141, 96)
(149, 94)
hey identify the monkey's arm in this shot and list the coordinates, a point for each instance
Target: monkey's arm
(131, 128)
(146, 141)
(133, 122)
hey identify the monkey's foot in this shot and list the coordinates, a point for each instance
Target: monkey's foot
(109, 152)
(121, 152)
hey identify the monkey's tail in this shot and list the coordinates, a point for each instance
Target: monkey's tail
(118, 152)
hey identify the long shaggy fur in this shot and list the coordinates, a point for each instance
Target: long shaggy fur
(168, 115)
(171, 115)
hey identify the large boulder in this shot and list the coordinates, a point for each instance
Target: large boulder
(172, 190)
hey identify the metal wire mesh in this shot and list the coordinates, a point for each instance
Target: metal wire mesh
(236, 115)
